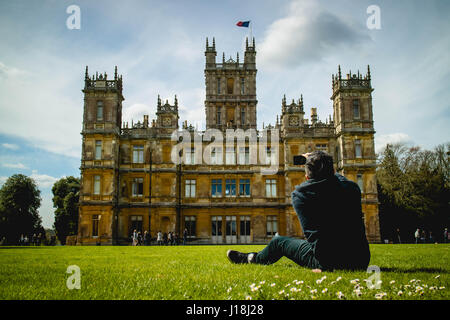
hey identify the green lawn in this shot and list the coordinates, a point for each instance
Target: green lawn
(203, 272)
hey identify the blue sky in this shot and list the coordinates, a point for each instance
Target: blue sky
(158, 47)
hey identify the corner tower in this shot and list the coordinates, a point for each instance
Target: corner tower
(230, 89)
(102, 119)
(353, 119)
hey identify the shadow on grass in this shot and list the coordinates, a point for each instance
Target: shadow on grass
(413, 270)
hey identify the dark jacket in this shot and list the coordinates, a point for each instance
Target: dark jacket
(332, 220)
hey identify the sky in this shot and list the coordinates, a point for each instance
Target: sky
(158, 47)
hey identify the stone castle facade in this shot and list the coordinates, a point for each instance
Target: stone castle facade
(130, 180)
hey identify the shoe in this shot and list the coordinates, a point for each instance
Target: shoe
(239, 257)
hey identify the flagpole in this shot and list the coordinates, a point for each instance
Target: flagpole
(251, 31)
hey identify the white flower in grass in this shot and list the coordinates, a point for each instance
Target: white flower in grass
(229, 290)
(248, 298)
(412, 280)
(354, 281)
(293, 289)
(441, 288)
(358, 292)
(313, 291)
(400, 293)
(438, 276)
(281, 292)
(325, 290)
(287, 285)
(338, 279)
(262, 282)
(340, 295)
(392, 282)
(272, 285)
(380, 295)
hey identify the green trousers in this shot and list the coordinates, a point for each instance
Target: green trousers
(299, 251)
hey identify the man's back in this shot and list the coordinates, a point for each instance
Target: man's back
(331, 217)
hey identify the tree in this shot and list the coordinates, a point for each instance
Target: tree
(20, 200)
(66, 193)
(413, 189)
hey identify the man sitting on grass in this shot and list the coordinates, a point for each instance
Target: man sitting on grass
(329, 209)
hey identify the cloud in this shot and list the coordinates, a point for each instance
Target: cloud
(9, 72)
(14, 165)
(307, 33)
(382, 140)
(10, 146)
(3, 180)
(43, 180)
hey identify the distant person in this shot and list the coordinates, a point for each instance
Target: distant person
(22, 240)
(38, 239)
(159, 238)
(169, 238)
(397, 232)
(446, 237)
(185, 234)
(33, 239)
(165, 238)
(146, 238)
(417, 235)
(176, 239)
(423, 236)
(328, 206)
(134, 237)
(431, 237)
(139, 238)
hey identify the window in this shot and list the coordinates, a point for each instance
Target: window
(244, 222)
(190, 156)
(268, 155)
(96, 185)
(190, 225)
(218, 85)
(99, 110)
(356, 114)
(190, 188)
(230, 156)
(244, 155)
(244, 187)
(219, 115)
(271, 188)
(322, 147)
(230, 85)
(358, 148)
(216, 226)
(242, 116)
(95, 220)
(230, 188)
(242, 85)
(138, 154)
(138, 187)
(216, 188)
(272, 226)
(98, 150)
(216, 156)
(360, 181)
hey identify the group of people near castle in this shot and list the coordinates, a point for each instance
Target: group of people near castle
(421, 236)
(170, 238)
(34, 240)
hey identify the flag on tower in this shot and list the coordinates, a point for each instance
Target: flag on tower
(243, 24)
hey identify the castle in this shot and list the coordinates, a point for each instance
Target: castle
(131, 179)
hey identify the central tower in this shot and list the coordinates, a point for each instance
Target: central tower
(230, 89)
